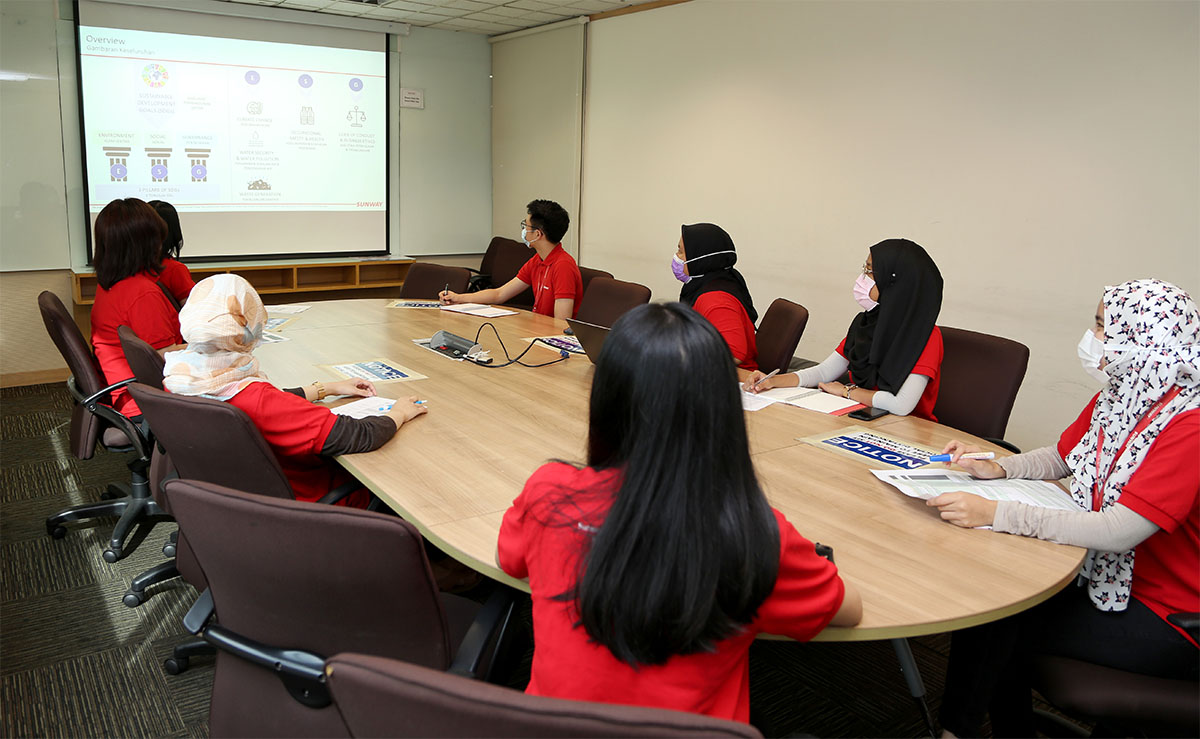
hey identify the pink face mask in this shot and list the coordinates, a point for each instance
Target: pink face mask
(862, 292)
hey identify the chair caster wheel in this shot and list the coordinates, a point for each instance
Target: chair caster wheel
(175, 665)
(134, 598)
(169, 551)
(112, 555)
(57, 532)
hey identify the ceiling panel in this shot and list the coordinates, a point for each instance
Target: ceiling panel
(473, 16)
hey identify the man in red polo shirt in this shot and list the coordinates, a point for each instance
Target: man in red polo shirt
(552, 272)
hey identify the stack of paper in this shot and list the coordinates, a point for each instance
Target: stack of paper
(814, 399)
(365, 407)
(926, 484)
(478, 309)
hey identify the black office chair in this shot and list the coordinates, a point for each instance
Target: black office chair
(607, 299)
(779, 333)
(425, 280)
(93, 419)
(377, 696)
(291, 582)
(501, 262)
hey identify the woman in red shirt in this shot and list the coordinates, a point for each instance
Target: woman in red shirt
(129, 235)
(1136, 479)
(653, 568)
(704, 263)
(893, 349)
(223, 322)
(175, 276)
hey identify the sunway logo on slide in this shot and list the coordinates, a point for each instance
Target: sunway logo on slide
(369, 204)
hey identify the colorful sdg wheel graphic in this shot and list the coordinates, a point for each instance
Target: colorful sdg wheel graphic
(155, 75)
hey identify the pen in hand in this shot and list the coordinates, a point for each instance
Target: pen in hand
(765, 377)
(966, 455)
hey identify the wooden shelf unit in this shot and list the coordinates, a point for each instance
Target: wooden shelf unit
(280, 278)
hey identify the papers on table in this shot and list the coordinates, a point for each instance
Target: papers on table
(270, 337)
(365, 407)
(288, 308)
(414, 304)
(811, 398)
(926, 484)
(752, 402)
(871, 446)
(375, 370)
(276, 324)
(565, 343)
(479, 309)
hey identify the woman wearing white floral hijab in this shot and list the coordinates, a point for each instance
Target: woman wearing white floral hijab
(1134, 458)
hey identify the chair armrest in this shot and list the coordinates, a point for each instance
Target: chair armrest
(138, 440)
(1189, 622)
(1002, 443)
(341, 491)
(488, 628)
(301, 672)
(197, 616)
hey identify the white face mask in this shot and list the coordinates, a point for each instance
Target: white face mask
(525, 235)
(862, 292)
(1091, 352)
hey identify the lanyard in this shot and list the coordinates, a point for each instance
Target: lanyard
(1098, 486)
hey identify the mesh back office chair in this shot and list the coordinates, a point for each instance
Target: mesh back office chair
(588, 274)
(425, 280)
(385, 697)
(501, 262)
(975, 361)
(292, 581)
(779, 333)
(93, 420)
(607, 299)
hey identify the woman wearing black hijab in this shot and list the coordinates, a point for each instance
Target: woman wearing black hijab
(704, 264)
(893, 349)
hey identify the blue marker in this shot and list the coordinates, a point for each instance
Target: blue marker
(420, 402)
(968, 455)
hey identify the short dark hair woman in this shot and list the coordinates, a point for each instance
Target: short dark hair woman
(175, 276)
(128, 240)
(653, 568)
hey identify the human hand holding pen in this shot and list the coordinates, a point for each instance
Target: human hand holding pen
(406, 409)
(983, 469)
(755, 380)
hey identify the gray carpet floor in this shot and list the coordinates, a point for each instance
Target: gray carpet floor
(75, 661)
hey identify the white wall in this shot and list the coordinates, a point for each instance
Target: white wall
(1038, 150)
(445, 149)
(537, 110)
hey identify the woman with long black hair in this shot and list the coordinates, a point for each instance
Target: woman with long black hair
(893, 348)
(653, 568)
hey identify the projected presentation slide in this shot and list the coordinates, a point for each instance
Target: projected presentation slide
(229, 125)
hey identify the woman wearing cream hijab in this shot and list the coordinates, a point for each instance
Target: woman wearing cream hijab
(222, 324)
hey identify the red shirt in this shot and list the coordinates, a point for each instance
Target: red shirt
(296, 430)
(554, 278)
(566, 664)
(136, 302)
(730, 318)
(1165, 489)
(177, 278)
(928, 364)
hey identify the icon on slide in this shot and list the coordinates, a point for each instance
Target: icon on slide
(197, 157)
(254, 107)
(118, 157)
(258, 185)
(158, 172)
(155, 75)
(305, 81)
(307, 118)
(356, 117)
(199, 172)
(252, 77)
(158, 162)
(118, 172)
(356, 84)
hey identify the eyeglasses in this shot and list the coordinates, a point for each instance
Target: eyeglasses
(866, 270)
(528, 226)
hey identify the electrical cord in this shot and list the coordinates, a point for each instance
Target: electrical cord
(515, 360)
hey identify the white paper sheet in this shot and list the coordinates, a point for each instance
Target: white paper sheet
(365, 407)
(480, 310)
(752, 402)
(414, 304)
(926, 484)
(811, 398)
(289, 308)
(270, 337)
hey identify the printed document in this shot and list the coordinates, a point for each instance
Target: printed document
(479, 309)
(365, 407)
(812, 398)
(926, 484)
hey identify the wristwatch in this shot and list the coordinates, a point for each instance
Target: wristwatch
(848, 389)
(320, 390)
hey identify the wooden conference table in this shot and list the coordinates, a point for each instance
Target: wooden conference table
(454, 472)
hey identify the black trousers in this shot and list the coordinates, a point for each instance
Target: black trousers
(989, 664)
